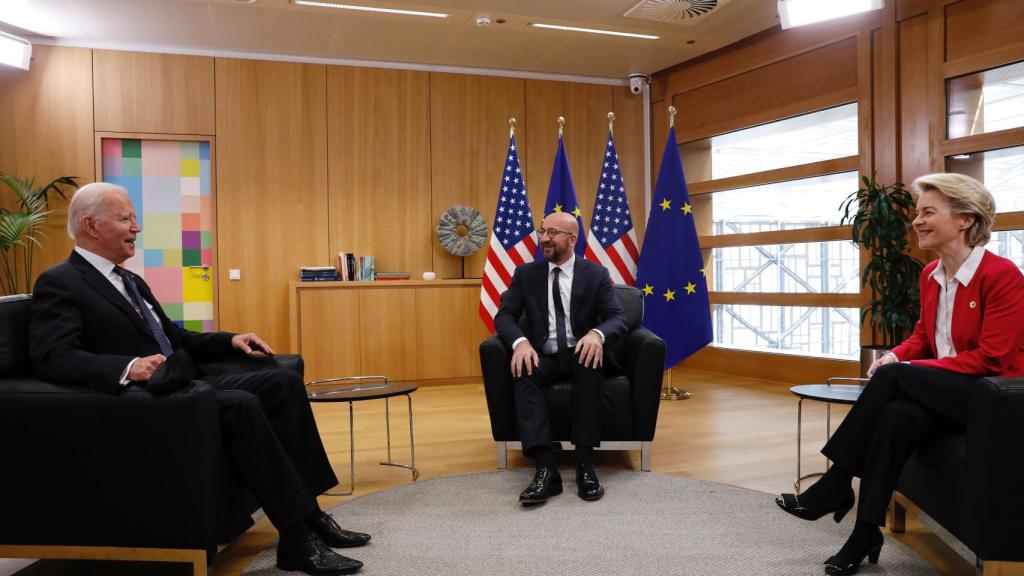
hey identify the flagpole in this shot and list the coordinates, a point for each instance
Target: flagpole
(561, 125)
(670, 392)
(511, 127)
(611, 123)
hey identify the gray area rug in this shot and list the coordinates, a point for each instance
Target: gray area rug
(647, 524)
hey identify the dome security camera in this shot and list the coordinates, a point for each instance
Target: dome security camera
(637, 81)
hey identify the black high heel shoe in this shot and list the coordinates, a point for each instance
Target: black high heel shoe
(848, 561)
(791, 503)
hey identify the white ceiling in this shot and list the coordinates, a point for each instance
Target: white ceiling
(283, 29)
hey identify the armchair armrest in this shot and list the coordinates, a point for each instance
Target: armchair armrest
(495, 359)
(995, 432)
(644, 361)
(125, 470)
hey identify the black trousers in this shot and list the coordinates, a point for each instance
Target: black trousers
(272, 441)
(900, 407)
(532, 407)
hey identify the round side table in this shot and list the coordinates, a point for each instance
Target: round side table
(829, 394)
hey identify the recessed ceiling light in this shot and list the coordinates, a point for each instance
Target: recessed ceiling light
(370, 9)
(15, 51)
(800, 12)
(594, 31)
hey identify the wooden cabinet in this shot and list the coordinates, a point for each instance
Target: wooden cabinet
(405, 330)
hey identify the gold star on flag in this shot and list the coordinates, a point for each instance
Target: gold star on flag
(648, 289)
(576, 212)
(691, 287)
(558, 207)
(665, 204)
(687, 208)
(669, 295)
(704, 270)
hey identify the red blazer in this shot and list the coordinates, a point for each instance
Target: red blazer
(988, 322)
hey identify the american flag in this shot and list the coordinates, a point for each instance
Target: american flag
(512, 240)
(612, 240)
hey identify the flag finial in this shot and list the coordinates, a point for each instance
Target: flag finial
(511, 127)
(561, 125)
(611, 121)
(671, 116)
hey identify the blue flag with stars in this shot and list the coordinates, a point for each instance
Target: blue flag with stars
(562, 197)
(671, 270)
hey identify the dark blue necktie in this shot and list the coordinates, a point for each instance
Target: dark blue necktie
(143, 310)
(563, 341)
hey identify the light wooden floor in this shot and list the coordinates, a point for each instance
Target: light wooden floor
(734, 430)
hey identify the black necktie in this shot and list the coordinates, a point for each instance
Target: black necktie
(143, 310)
(563, 341)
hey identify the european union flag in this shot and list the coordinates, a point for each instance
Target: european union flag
(562, 197)
(671, 270)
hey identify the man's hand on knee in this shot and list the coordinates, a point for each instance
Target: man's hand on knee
(590, 349)
(524, 354)
(142, 368)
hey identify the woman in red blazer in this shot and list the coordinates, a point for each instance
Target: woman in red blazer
(972, 314)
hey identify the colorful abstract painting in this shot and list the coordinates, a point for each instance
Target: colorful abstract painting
(169, 184)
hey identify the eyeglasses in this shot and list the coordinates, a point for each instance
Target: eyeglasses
(552, 232)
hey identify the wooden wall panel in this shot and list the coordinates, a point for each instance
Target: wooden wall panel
(974, 27)
(468, 140)
(379, 147)
(585, 108)
(389, 345)
(818, 78)
(271, 188)
(46, 123)
(476, 329)
(629, 141)
(330, 333)
(153, 93)
(445, 347)
(913, 77)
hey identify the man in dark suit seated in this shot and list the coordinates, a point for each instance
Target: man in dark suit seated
(571, 311)
(96, 324)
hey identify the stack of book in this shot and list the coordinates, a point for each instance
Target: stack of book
(392, 275)
(318, 274)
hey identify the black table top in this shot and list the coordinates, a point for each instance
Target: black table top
(838, 393)
(350, 392)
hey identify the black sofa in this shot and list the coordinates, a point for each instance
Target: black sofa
(971, 483)
(631, 398)
(86, 468)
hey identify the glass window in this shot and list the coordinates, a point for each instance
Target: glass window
(807, 203)
(822, 135)
(1002, 171)
(1008, 244)
(986, 101)
(807, 268)
(825, 332)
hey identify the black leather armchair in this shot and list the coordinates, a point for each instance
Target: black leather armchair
(631, 397)
(131, 471)
(970, 483)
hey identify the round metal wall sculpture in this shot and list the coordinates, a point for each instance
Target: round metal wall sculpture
(462, 231)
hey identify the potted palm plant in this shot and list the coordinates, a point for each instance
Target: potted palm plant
(22, 228)
(880, 218)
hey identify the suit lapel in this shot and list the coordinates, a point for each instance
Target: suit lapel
(542, 288)
(576, 292)
(103, 286)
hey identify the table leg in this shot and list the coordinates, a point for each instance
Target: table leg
(799, 455)
(412, 442)
(351, 457)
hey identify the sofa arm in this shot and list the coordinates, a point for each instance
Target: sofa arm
(644, 361)
(995, 432)
(87, 468)
(495, 362)
(246, 363)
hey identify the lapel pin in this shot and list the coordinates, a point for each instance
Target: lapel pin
(973, 304)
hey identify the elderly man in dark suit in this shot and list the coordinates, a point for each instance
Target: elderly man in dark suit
(96, 324)
(570, 313)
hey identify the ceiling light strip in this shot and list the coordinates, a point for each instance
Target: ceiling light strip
(371, 9)
(594, 31)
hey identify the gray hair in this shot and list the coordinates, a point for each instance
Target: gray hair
(88, 201)
(965, 196)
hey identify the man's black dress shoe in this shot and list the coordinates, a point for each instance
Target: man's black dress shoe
(588, 486)
(791, 503)
(333, 535)
(312, 556)
(547, 482)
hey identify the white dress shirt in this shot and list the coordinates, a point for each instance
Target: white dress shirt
(947, 296)
(106, 269)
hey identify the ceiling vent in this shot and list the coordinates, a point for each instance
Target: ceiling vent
(675, 11)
